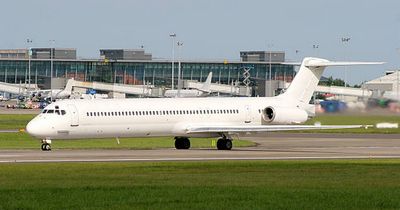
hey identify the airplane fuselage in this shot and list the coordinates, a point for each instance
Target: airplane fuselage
(146, 117)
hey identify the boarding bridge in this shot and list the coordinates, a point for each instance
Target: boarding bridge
(347, 91)
(220, 88)
(144, 90)
(17, 88)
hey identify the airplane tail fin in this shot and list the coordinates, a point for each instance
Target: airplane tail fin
(68, 86)
(310, 72)
(207, 84)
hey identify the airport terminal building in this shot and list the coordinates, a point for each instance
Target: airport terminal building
(137, 67)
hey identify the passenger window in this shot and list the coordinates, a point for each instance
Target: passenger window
(58, 112)
(63, 112)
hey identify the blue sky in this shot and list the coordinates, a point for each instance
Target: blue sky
(214, 29)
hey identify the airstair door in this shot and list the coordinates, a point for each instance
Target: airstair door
(74, 115)
(247, 113)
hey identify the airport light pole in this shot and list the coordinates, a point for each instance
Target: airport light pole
(179, 44)
(397, 85)
(344, 41)
(270, 69)
(52, 43)
(29, 41)
(173, 36)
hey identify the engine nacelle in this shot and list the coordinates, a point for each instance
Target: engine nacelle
(280, 115)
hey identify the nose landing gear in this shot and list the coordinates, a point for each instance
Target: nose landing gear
(46, 145)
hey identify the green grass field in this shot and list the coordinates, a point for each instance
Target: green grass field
(341, 184)
(24, 141)
(14, 121)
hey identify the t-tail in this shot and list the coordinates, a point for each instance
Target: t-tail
(207, 84)
(305, 82)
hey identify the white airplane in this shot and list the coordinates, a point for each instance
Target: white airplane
(201, 92)
(185, 117)
(23, 90)
(53, 93)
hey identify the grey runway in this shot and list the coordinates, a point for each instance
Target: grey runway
(273, 147)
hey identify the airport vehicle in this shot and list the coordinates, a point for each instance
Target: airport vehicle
(186, 117)
(201, 92)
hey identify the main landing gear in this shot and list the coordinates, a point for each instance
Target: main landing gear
(46, 145)
(223, 143)
(182, 143)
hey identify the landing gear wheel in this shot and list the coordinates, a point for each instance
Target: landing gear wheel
(46, 147)
(182, 143)
(224, 144)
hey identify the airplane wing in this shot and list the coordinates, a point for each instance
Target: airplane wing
(263, 128)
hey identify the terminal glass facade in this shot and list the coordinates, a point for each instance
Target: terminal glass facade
(138, 72)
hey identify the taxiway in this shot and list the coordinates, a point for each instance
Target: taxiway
(274, 147)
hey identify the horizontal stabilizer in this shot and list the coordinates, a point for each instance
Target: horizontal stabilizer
(318, 63)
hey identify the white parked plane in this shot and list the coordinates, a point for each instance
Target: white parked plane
(185, 117)
(18, 89)
(201, 92)
(53, 93)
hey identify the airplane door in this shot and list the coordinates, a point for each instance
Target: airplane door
(74, 115)
(247, 113)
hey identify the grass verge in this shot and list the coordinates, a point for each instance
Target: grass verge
(339, 184)
(24, 141)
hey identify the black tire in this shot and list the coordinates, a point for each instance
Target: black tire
(220, 144)
(47, 147)
(182, 143)
(224, 144)
(43, 149)
(178, 143)
(186, 143)
(228, 144)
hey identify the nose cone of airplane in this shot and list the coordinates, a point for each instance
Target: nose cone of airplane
(34, 128)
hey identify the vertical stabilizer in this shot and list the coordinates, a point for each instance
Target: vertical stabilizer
(207, 84)
(306, 80)
(304, 84)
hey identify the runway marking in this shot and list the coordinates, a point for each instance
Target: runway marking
(10, 156)
(201, 159)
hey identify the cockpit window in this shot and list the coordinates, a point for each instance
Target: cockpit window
(44, 111)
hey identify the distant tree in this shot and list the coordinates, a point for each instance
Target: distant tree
(332, 82)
